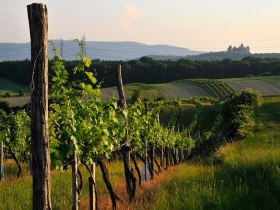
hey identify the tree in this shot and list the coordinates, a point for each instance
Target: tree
(238, 113)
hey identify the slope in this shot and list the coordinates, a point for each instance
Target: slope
(248, 177)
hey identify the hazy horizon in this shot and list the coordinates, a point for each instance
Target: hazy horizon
(194, 24)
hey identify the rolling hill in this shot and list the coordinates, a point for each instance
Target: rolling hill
(96, 50)
(268, 86)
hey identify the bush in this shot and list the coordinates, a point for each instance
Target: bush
(238, 113)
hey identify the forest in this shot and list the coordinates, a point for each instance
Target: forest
(148, 70)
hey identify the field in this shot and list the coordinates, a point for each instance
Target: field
(268, 86)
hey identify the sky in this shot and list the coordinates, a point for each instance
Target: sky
(205, 25)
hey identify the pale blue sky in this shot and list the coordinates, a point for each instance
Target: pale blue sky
(209, 25)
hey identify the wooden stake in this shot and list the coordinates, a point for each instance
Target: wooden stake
(75, 195)
(129, 176)
(38, 24)
(92, 190)
(1, 161)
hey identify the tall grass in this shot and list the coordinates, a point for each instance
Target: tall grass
(248, 178)
(16, 194)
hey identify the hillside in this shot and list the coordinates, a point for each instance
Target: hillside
(96, 50)
(240, 175)
(268, 86)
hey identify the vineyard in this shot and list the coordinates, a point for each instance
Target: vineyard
(61, 150)
(147, 136)
(220, 89)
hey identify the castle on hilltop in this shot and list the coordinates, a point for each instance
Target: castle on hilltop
(241, 50)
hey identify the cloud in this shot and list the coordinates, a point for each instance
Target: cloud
(130, 15)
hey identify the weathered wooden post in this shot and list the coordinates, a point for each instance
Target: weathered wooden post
(1, 161)
(145, 144)
(146, 164)
(75, 195)
(92, 190)
(129, 176)
(38, 24)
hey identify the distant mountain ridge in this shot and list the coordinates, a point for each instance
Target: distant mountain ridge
(233, 53)
(96, 50)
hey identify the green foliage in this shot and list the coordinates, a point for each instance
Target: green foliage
(144, 126)
(15, 133)
(79, 120)
(238, 113)
(136, 95)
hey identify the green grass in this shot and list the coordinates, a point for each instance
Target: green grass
(248, 178)
(16, 194)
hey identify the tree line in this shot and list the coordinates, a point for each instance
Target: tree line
(148, 70)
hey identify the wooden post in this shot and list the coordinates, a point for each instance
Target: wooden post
(92, 190)
(152, 156)
(146, 147)
(1, 161)
(75, 195)
(122, 100)
(146, 165)
(162, 157)
(38, 24)
(129, 176)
